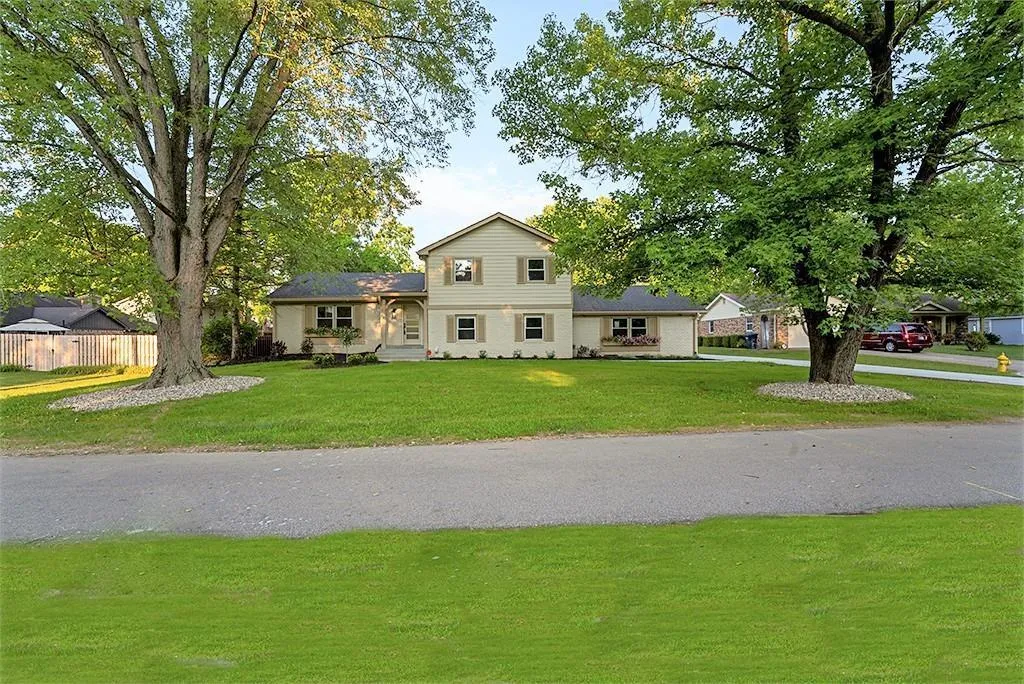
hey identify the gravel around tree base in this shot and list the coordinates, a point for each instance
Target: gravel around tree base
(834, 394)
(124, 397)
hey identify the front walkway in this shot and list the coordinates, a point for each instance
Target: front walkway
(602, 480)
(881, 370)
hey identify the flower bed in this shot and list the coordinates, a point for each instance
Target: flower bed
(635, 341)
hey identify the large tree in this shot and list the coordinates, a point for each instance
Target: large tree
(793, 148)
(173, 99)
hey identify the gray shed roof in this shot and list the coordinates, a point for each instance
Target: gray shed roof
(348, 285)
(636, 298)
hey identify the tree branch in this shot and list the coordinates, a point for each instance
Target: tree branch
(821, 17)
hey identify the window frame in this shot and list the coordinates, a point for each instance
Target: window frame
(456, 272)
(543, 270)
(333, 317)
(624, 327)
(711, 327)
(527, 328)
(459, 329)
(633, 327)
(750, 324)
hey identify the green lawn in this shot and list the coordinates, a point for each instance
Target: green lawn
(1014, 351)
(299, 406)
(901, 360)
(924, 595)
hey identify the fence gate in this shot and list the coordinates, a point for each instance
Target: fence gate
(39, 351)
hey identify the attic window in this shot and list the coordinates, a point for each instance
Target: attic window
(463, 270)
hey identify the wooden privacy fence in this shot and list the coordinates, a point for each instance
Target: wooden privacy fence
(45, 352)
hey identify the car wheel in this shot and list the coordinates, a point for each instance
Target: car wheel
(890, 346)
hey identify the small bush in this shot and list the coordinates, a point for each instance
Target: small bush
(517, 353)
(992, 338)
(949, 338)
(582, 351)
(12, 368)
(307, 346)
(324, 360)
(551, 353)
(355, 360)
(595, 353)
(975, 341)
(370, 357)
(482, 354)
(217, 337)
(278, 349)
(446, 355)
(89, 370)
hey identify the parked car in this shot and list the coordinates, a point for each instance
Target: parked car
(912, 336)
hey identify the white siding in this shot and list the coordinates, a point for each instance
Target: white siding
(724, 308)
(500, 334)
(290, 328)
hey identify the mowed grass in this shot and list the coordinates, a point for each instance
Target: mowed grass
(899, 360)
(928, 595)
(299, 406)
(1014, 351)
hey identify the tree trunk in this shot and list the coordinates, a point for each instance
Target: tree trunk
(236, 324)
(179, 336)
(832, 357)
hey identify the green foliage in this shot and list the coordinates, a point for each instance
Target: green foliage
(347, 336)
(12, 368)
(975, 341)
(757, 147)
(482, 353)
(307, 346)
(324, 360)
(217, 336)
(331, 332)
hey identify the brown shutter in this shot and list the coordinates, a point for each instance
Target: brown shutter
(606, 328)
(447, 270)
(652, 326)
(478, 271)
(520, 270)
(520, 333)
(481, 329)
(450, 320)
(549, 270)
(549, 327)
(309, 317)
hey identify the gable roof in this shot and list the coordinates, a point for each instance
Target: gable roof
(312, 285)
(927, 302)
(483, 222)
(62, 311)
(634, 299)
(750, 303)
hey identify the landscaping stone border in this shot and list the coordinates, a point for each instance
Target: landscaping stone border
(125, 397)
(834, 394)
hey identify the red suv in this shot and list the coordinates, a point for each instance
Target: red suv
(912, 336)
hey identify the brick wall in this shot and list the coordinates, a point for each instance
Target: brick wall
(777, 330)
(725, 326)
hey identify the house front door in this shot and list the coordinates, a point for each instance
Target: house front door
(411, 325)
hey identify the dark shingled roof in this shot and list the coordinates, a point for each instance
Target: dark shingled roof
(635, 298)
(66, 312)
(348, 284)
(755, 302)
(947, 302)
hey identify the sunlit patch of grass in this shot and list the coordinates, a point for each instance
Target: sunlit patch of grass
(52, 383)
(551, 378)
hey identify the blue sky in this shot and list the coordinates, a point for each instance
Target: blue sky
(483, 176)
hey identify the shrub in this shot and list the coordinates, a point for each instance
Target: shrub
(355, 359)
(517, 353)
(482, 353)
(975, 341)
(324, 360)
(89, 370)
(278, 349)
(595, 353)
(949, 338)
(582, 351)
(551, 353)
(217, 336)
(307, 346)
(992, 338)
(12, 367)
(446, 355)
(370, 357)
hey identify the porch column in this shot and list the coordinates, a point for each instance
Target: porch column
(944, 331)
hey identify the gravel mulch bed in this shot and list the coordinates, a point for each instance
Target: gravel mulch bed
(834, 394)
(124, 397)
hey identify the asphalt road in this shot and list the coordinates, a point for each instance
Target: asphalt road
(516, 483)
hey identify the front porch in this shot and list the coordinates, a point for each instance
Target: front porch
(403, 327)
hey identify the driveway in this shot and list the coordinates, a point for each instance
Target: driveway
(881, 370)
(653, 479)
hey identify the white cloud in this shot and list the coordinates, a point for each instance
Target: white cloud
(453, 198)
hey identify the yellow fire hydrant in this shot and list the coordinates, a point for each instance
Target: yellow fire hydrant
(1004, 362)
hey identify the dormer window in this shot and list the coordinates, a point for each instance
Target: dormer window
(535, 270)
(463, 270)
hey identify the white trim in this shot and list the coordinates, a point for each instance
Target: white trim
(722, 295)
(459, 319)
(526, 326)
(472, 275)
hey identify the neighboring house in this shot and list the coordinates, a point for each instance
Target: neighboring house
(74, 313)
(941, 314)
(774, 323)
(489, 287)
(1009, 328)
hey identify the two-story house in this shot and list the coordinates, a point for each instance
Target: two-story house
(492, 287)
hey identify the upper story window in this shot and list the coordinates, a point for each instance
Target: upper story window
(334, 317)
(463, 270)
(536, 270)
